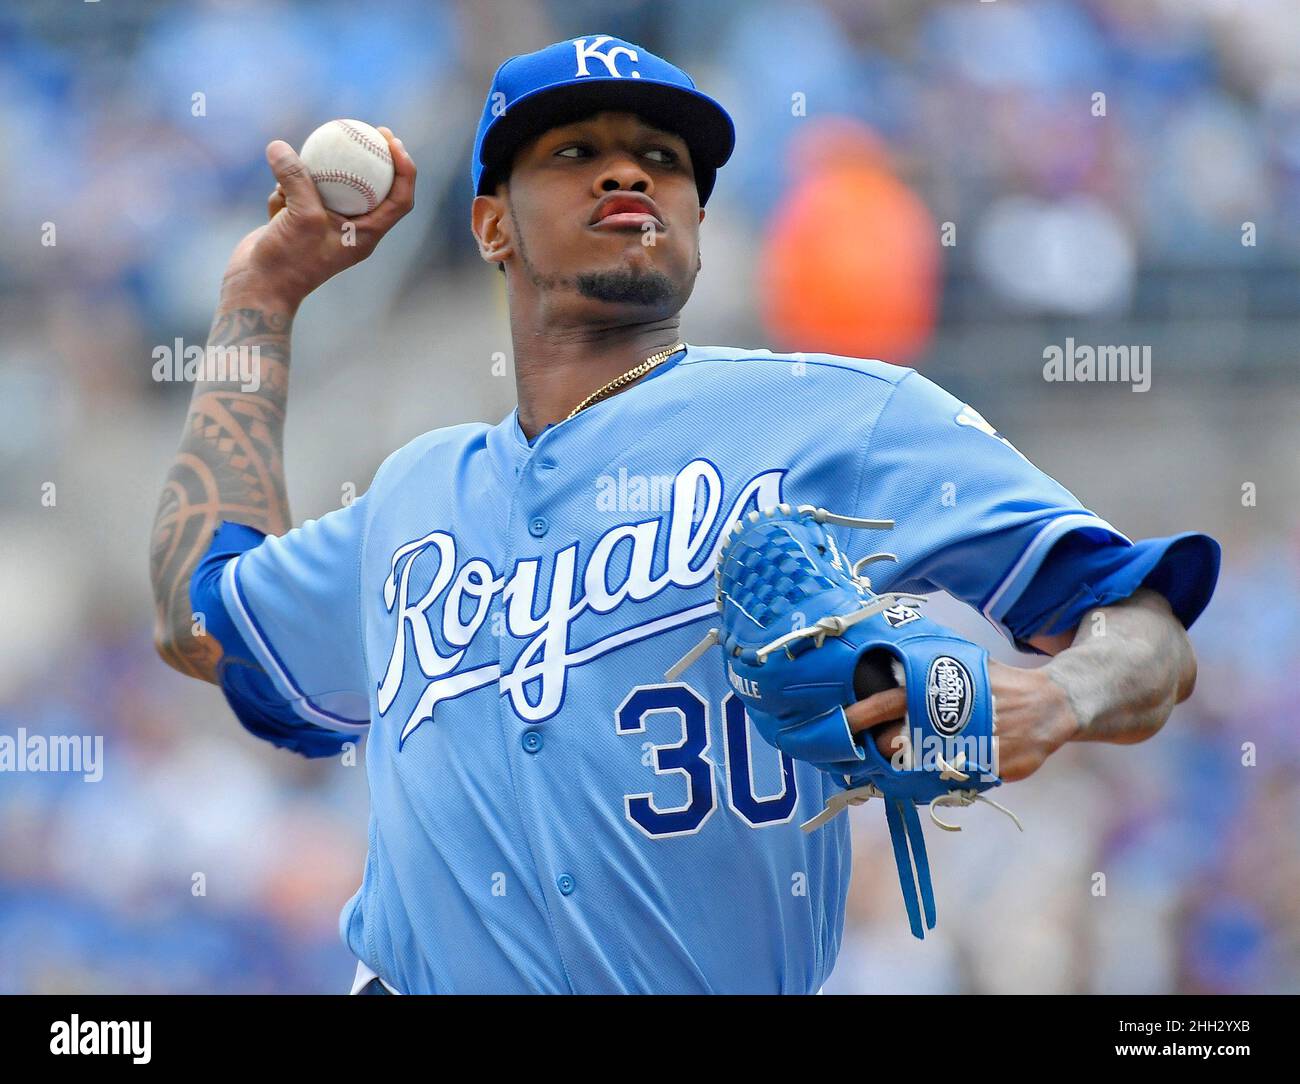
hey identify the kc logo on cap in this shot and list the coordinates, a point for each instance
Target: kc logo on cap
(609, 59)
(596, 73)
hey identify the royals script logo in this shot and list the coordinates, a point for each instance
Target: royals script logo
(535, 681)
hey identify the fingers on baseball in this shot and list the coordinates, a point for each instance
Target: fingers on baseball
(403, 163)
(401, 197)
(294, 181)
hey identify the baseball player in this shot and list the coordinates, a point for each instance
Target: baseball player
(549, 812)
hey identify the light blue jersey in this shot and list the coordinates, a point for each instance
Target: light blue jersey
(547, 812)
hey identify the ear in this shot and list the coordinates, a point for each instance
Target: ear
(491, 226)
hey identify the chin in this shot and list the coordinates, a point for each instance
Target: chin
(633, 282)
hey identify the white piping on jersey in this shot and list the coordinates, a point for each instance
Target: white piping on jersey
(1028, 563)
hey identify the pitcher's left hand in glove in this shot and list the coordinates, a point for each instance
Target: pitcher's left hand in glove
(804, 636)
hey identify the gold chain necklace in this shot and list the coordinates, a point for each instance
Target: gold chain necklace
(623, 381)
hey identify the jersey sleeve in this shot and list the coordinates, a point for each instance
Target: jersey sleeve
(296, 601)
(975, 518)
(286, 611)
(1081, 573)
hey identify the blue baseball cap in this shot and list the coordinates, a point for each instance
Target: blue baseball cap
(573, 79)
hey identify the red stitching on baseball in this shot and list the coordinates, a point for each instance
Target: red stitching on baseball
(359, 136)
(351, 180)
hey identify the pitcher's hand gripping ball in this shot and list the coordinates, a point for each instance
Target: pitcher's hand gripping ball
(803, 636)
(351, 165)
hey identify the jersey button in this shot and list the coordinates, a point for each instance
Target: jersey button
(538, 526)
(532, 742)
(566, 884)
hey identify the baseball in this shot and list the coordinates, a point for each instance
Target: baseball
(350, 163)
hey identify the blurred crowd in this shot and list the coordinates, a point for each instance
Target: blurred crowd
(1125, 165)
(1201, 888)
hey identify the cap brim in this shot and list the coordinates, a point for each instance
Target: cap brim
(695, 117)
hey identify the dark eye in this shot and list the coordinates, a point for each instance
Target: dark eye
(574, 150)
(665, 157)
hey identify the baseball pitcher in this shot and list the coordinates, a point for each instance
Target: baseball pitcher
(623, 656)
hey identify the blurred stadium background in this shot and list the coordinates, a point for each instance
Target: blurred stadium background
(865, 126)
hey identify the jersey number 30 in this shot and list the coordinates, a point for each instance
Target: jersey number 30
(690, 759)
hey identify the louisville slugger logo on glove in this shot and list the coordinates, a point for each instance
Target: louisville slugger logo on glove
(804, 635)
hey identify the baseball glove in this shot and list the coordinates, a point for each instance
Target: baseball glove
(803, 636)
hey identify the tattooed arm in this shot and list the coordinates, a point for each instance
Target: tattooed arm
(1127, 667)
(1115, 678)
(230, 463)
(229, 466)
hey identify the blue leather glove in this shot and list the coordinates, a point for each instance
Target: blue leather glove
(803, 636)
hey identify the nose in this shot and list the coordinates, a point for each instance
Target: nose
(622, 172)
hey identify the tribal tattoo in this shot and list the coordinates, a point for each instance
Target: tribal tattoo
(229, 467)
